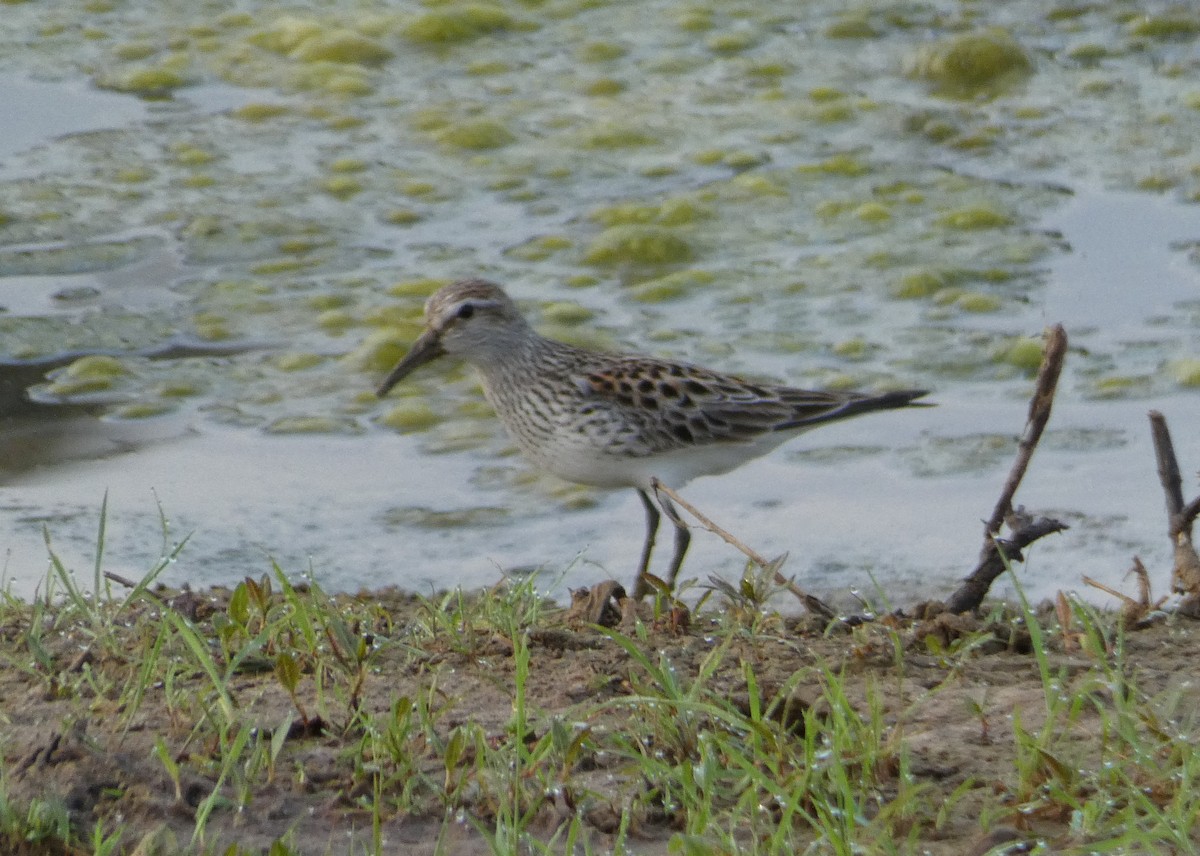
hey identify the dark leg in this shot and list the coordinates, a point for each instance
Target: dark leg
(683, 537)
(652, 517)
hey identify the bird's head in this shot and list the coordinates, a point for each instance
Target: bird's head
(473, 319)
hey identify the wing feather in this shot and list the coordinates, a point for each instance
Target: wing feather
(675, 405)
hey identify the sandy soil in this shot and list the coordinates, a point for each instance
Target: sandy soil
(954, 715)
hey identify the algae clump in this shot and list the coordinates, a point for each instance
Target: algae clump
(646, 245)
(451, 25)
(969, 63)
(341, 46)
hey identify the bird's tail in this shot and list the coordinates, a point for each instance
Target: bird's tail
(856, 405)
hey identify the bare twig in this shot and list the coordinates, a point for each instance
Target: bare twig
(996, 558)
(1168, 469)
(811, 602)
(1190, 512)
(1035, 423)
(1135, 611)
(997, 552)
(1185, 576)
(119, 580)
(1119, 595)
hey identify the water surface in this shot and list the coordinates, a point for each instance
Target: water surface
(216, 232)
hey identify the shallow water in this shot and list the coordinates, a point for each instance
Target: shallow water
(815, 209)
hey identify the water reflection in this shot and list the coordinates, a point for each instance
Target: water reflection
(38, 430)
(833, 223)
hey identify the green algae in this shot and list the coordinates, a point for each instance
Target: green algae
(601, 52)
(563, 312)
(297, 361)
(275, 267)
(1119, 386)
(454, 24)
(475, 135)
(135, 51)
(178, 389)
(1157, 183)
(918, 285)
(68, 387)
(147, 81)
(403, 216)
(409, 416)
(302, 424)
(286, 34)
(838, 111)
(755, 185)
(347, 165)
(851, 25)
(695, 20)
(973, 62)
(743, 160)
(416, 287)
(873, 212)
(676, 211)
(974, 217)
(670, 287)
(581, 280)
(631, 129)
(488, 68)
(94, 367)
(603, 87)
(142, 410)
(1089, 53)
(259, 111)
(215, 330)
(189, 155)
(1186, 372)
(617, 135)
(342, 186)
(335, 320)
(1024, 353)
(976, 302)
(845, 165)
(1167, 26)
(340, 46)
(539, 248)
(85, 375)
(380, 350)
(852, 349)
(638, 245)
(736, 42)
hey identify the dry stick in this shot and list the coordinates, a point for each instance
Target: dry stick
(1186, 574)
(995, 551)
(1190, 512)
(1119, 595)
(1134, 610)
(1039, 415)
(811, 602)
(1168, 470)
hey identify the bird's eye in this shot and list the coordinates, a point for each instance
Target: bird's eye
(466, 311)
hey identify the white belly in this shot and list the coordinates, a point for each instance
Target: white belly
(582, 463)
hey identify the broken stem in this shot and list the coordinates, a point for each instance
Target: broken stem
(1039, 414)
(996, 553)
(810, 601)
(1168, 470)
(1185, 575)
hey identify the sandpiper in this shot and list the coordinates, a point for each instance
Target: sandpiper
(618, 420)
